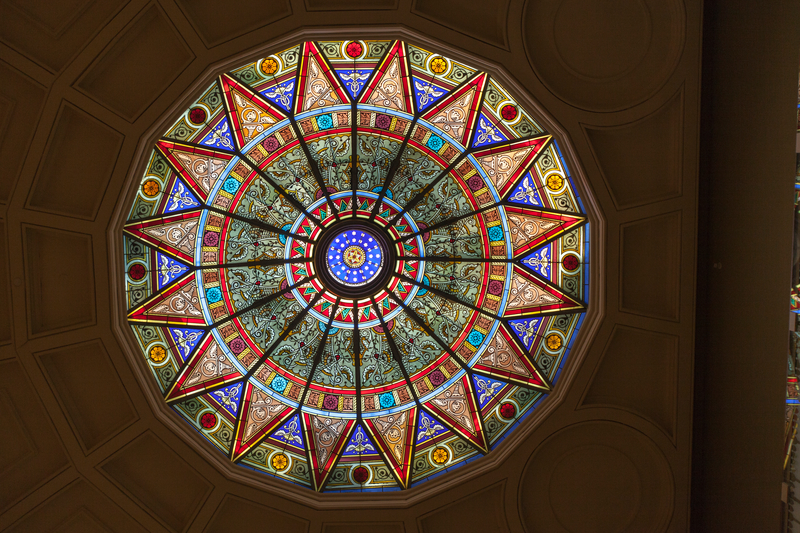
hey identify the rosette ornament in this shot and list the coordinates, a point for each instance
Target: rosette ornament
(353, 264)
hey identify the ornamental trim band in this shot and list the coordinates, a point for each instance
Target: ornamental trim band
(353, 265)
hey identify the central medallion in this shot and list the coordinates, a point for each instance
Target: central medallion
(355, 257)
(355, 261)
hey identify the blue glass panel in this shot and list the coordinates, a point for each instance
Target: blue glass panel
(359, 443)
(526, 330)
(180, 198)
(428, 427)
(168, 269)
(486, 389)
(354, 79)
(290, 433)
(427, 93)
(540, 261)
(185, 340)
(229, 397)
(281, 94)
(354, 257)
(487, 133)
(525, 192)
(220, 136)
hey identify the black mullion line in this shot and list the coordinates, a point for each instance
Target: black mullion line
(504, 259)
(357, 362)
(228, 214)
(399, 360)
(258, 302)
(285, 333)
(354, 146)
(262, 301)
(420, 195)
(318, 355)
(445, 295)
(446, 259)
(312, 164)
(292, 200)
(291, 116)
(480, 106)
(390, 173)
(250, 163)
(438, 178)
(354, 134)
(283, 192)
(450, 297)
(446, 222)
(450, 352)
(462, 156)
(257, 223)
(416, 318)
(483, 209)
(427, 329)
(261, 262)
(395, 352)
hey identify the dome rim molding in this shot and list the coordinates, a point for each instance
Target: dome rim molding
(354, 500)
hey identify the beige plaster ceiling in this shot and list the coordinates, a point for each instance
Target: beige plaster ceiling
(83, 85)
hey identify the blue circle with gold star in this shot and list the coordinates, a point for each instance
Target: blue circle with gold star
(354, 257)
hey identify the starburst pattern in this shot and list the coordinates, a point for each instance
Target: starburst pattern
(350, 258)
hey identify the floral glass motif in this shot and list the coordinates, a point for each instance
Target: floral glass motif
(344, 360)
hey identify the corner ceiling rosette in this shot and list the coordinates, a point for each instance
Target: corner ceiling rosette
(353, 265)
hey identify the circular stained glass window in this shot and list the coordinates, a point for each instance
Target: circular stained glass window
(355, 264)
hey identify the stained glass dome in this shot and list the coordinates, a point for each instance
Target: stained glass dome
(354, 265)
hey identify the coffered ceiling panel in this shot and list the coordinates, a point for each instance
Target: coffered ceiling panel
(89, 390)
(236, 513)
(78, 508)
(217, 24)
(460, 515)
(21, 100)
(60, 269)
(5, 293)
(50, 33)
(79, 159)
(604, 56)
(650, 270)
(625, 482)
(638, 372)
(642, 162)
(174, 495)
(349, 5)
(32, 452)
(484, 21)
(132, 71)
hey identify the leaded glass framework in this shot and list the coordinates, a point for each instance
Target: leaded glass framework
(354, 265)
